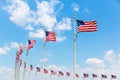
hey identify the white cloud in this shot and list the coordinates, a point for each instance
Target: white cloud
(38, 34)
(6, 73)
(20, 13)
(110, 56)
(44, 60)
(75, 7)
(58, 68)
(4, 50)
(14, 45)
(46, 14)
(8, 47)
(95, 63)
(65, 24)
(59, 39)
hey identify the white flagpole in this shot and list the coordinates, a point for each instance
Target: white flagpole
(23, 74)
(74, 57)
(43, 56)
(29, 75)
(15, 70)
(36, 75)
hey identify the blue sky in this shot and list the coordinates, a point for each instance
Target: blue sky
(97, 52)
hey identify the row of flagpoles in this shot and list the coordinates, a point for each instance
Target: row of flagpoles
(83, 26)
(49, 36)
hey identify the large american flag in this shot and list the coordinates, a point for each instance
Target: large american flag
(87, 26)
(50, 36)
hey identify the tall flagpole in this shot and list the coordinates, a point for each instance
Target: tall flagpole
(43, 56)
(74, 57)
(15, 69)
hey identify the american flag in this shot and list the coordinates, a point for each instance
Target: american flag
(68, 73)
(21, 49)
(113, 76)
(45, 71)
(77, 75)
(61, 73)
(86, 75)
(53, 72)
(87, 26)
(50, 36)
(31, 43)
(104, 76)
(94, 75)
(31, 67)
(38, 69)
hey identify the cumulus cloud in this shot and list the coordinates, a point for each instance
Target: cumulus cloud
(110, 56)
(58, 68)
(45, 15)
(44, 60)
(75, 7)
(37, 34)
(4, 50)
(65, 24)
(95, 63)
(60, 39)
(6, 73)
(20, 13)
(8, 47)
(14, 45)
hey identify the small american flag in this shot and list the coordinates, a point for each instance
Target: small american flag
(68, 73)
(50, 36)
(104, 76)
(94, 75)
(31, 43)
(113, 76)
(61, 73)
(86, 75)
(53, 72)
(45, 71)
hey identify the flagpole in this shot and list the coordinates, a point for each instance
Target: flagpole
(23, 74)
(101, 77)
(36, 75)
(74, 57)
(43, 58)
(15, 70)
(29, 74)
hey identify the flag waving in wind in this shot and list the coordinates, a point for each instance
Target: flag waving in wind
(31, 43)
(87, 26)
(53, 72)
(50, 36)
